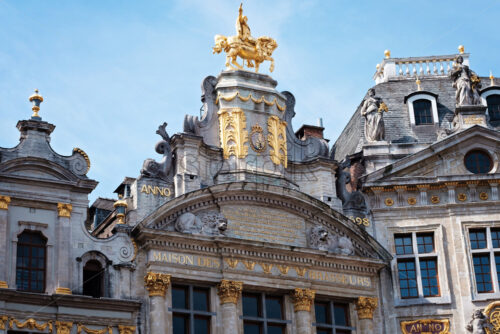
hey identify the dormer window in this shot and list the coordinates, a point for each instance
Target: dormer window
(493, 103)
(423, 112)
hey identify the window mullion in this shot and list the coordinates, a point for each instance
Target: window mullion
(420, 289)
(191, 308)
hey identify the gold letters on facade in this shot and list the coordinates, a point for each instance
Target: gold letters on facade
(126, 329)
(492, 312)
(64, 209)
(157, 283)
(229, 291)
(366, 306)
(303, 299)
(64, 327)
(233, 133)
(440, 326)
(30, 324)
(277, 140)
(82, 329)
(4, 202)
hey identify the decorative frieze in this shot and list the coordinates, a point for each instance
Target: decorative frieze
(157, 283)
(4, 202)
(366, 306)
(64, 209)
(83, 329)
(31, 324)
(229, 291)
(3, 321)
(303, 299)
(64, 327)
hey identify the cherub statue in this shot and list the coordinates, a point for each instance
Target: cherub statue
(479, 323)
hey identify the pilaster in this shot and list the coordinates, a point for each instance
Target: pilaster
(157, 285)
(4, 214)
(365, 306)
(63, 240)
(229, 293)
(303, 299)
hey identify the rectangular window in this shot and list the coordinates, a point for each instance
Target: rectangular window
(403, 244)
(332, 317)
(191, 310)
(263, 314)
(407, 278)
(429, 273)
(482, 270)
(484, 248)
(495, 237)
(477, 239)
(425, 243)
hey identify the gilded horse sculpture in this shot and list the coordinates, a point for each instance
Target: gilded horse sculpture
(246, 47)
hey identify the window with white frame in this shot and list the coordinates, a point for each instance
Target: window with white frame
(485, 250)
(417, 265)
(493, 103)
(422, 108)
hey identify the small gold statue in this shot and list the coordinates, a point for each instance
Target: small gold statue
(245, 46)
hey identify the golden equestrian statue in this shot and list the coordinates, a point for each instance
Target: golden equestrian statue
(245, 46)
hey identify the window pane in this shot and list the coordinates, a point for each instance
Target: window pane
(30, 263)
(251, 305)
(274, 308)
(275, 329)
(180, 324)
(477, 238)
(425, 242)
(493, 102)
(179, 297)
(341, 311)
(324, 331)
(252, 328)
(201, 325)
(322, 314)
(403, 244)
(428, 270)
(497, 263)
(495, 237)
(407, 278)
(423, 112)
(482, 272)
(200, 299)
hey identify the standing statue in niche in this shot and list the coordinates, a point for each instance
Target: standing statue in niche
(479, 323)
(466, 83)
(162, 169)
(372, 110)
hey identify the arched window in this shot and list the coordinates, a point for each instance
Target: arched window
(423, 112)
(31, 262)
(93, 279)
(493, 102)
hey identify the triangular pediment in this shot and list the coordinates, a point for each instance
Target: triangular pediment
(443, 159)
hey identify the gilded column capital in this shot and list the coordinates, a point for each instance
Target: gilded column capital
(64, 209)
(64, 327)
(157, 283)
(126, 329)
(303, 299)
(4, 202)
(366, 306)
(229, 291)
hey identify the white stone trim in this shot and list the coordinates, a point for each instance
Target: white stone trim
(494, 91)
(422, 96)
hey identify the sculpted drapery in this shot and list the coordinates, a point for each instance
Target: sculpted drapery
(372, 110)
(466, 83)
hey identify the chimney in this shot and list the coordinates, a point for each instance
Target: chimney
(307, 131)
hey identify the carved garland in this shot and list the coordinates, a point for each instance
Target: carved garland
(303, 299)
(277, 140)
(233, 133)
(64, 327)
(81, 328)
(245, 99)
(126, 329)
(157, 283)
(30, 324)
(229, 291)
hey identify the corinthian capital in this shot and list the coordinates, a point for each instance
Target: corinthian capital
(157, 283)
(303, 299)
(366, 306)
(229, 291)
(4, 202)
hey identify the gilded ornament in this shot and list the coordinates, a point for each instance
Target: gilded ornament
(435, 199)
(126, 329)
(85, 156)
(250, 97)
(266, 267)
(389, 201)
(4, 285)
(303, 299)
(383, 107)
(283, 269)
(277, 140)
(462, 197)
(233, 133)
(36, 99)
(300, 271)
(252, 51)
(157, 283)
(63, 291)
(136, 250)
(64, 327)
(412, 200)
(4, 202)
(249, 265)
(437, 326)
(30, 324)
(483, 196)
(461, 49)
(492, 312)
(81, 328)
(3, 320)
(229, 291)
(232, 263)
(387, 54)
(257, 139)
(64, 209)
(366, 306)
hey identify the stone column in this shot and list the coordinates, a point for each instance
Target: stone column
(63, 243)
(302, 302)
(4, 211)
(157, 285)
(365, 307)
(229, 292)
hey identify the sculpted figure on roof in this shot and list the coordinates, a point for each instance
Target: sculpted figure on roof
(466, 82)
(372, 110)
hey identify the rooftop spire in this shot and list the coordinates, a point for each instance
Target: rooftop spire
(36, 99)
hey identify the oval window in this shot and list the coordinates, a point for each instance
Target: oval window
(478, 161)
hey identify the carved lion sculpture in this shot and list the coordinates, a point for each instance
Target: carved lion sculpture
(319, 238)
(188, 223)
(214, 223)
(210, 223)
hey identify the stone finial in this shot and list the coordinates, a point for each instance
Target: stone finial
(387, 54)
(461, 49)
(492, 82)
(121, 208)
(126, 329)
(64, 327)
(36, 99)
(156, 283)
(4, 202)
(64, 209)
(229, 291)
(366, 306)
(303, 299)
(418, 82)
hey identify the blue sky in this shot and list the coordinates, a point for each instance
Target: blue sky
(112, 71)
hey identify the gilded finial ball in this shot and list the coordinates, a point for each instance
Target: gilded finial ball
(461, 49)
(491, 76)
(378, 66)
(387, 54)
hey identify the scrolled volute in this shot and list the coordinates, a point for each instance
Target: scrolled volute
(303, 299)
(157, 283)
(229, 291)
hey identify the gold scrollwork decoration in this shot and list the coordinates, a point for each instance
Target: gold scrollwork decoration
(229, 291)
(157, 283)
(126, 329)
(366, 306)
(277, 140)
(283, 269)
(412, 200)
(249, 265)
(492, 312)
(483, 196)
(81, 328)
(233, 133)
(85, 156)
(435, 199)
(64, 327)
(4, 202)
(3, 320)
(300, 271)
(440, 326)
(232, 263)
(266, 267)
(231, 97)
(303, 299)
(31, 324)
(64, 209)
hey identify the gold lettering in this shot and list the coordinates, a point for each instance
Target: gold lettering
(167, 192)
(156, 256)
(162, 191)
(144, 189)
